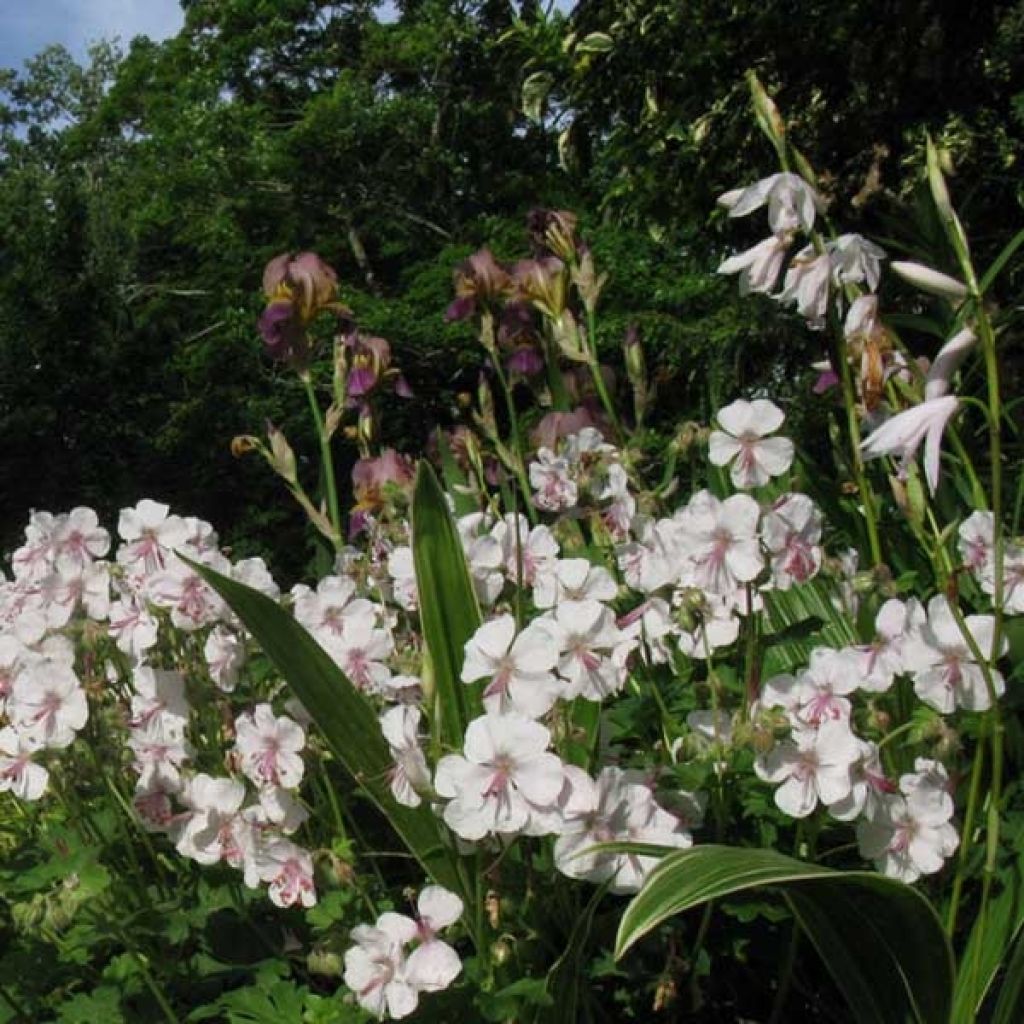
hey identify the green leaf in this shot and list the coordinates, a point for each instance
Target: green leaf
(880, 939)
(566, 976)
(1010, 1006)
(787, 640)
(344, 716)
(1000, 261)
(987, 945)
(595, 42)
(449, 614)
(535, 91)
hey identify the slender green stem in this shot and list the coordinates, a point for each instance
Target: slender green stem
(330, 486)
(900, 730)
(867, 497)
(517, 443)
(595, 372)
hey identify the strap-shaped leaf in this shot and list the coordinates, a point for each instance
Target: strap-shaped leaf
(449, 613)
(344, 716)
(880, 939)
(988, 945)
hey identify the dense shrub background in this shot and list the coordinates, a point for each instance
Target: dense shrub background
(140, 196)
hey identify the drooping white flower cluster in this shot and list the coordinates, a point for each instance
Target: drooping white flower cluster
(818, 271)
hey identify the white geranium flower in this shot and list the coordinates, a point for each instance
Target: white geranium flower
(869, 786)
(361, 651)
(224, 652)
(518, 669)
(814, 765)
(617, 806)
(78, 539)
(159, 753)
(505, 777)
(375, 967)
(719, 542)
(883, 659)
(132, 626)
(212, 828)
(574, 579)
(47, 703)
(19, 774)
(159, 693)
(433, 965)
(403, 577)
(977, 541)
(186, 595)
(149, 535)
(791, 531)
(586, 635)
(269, 747)
(946, 676)
(907, 838)
(528, 555)
(647, 628)
(744, 438)
(824, 684)
(551, 480)
(326, 611)
(289, 871)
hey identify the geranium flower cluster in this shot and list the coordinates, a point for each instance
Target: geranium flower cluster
(559, 628)
(68, 607)
(388, 980)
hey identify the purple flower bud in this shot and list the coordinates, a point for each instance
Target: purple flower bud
(402, 387)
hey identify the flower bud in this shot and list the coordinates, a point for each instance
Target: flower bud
(768, 117)
(501, 952)
(931, 281)
(282, 457)
(324, 962)
(243, 444)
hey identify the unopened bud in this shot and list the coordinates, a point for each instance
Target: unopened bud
(933, 282)
(501, 951)
(366, 426)
(282, 458)
(243, 444)
(768, 117)
(324, 962)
